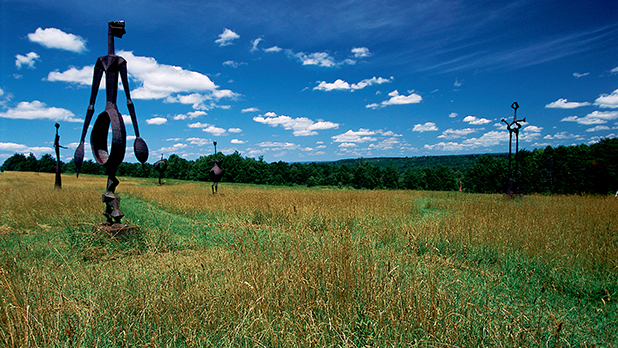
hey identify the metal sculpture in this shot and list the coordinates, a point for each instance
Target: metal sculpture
(160, 166)
(216, 173)
(57, 146)
(513, 127)
(112, 65)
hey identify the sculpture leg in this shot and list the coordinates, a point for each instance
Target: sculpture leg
(112, 201)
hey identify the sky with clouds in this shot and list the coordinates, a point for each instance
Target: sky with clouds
(314, 81)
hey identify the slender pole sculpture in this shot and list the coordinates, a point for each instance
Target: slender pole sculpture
(513, 127)
(160, 166)
(57, 146)
(112, 65)
(216, 173)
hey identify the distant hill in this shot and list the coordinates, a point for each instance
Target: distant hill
(455, 162)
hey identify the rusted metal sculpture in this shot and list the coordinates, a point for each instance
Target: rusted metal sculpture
(160, 166)
(513, 189)
(112, 65)
(57, 146)
(216, 173)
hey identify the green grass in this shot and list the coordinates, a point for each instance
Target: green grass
(270, 266)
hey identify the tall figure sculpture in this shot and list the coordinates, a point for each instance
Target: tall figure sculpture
(513, 127)
(216, 173)
(112, 65)
(57, 146)
(160, 166)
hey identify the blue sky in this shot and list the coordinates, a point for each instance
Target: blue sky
(314, 81)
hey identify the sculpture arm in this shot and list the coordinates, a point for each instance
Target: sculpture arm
(139, 145)
(125, 85)
(96, 80)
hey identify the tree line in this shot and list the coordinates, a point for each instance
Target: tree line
(562, 170)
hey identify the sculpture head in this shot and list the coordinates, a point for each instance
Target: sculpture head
(116, 28)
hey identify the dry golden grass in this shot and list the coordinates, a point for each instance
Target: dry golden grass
(264, 266)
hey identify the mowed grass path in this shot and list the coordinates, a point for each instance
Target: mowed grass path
(279, 267)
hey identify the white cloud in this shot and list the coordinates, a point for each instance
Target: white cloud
(74, 75)
(20, 148)
(456, 133)
(216, 131)
(361, 52)
(488, 139)
(56, 38)
(563, 104)
(453, 115)
(199, 141)
(37, 110)
(233, 64)
(254, 44)
(561, 136)
(578, 75)
(273, 49)
(235, 130)
(427, 127)
(339, 84)
(317, 58)
(227, 37)
(301, 126)
(595, 117)
(237, 141)
(190, 115)
(614, 70)
(397, 99)
(171, 149)
(608, 100)
(362, 136)
(28, 60)
(450, 146)
(475, 121)
(457, 83)
(279, 145)
(597, 129)
(157, 120)
(250, 110)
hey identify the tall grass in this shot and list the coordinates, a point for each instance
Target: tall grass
(264, 266)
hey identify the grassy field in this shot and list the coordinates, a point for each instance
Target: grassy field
(270, 267)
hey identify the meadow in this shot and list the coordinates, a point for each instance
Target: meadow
(263, 266)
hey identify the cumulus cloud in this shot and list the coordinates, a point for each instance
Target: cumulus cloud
(339, 84)
(234, 130)
(37, 110)
(361, 136)
(597, 129)
(475, 121)
(28, 60)
(561, 136)
(427, 127)
(453, 115)
(564, 104)
(273, 49)
(156, 81)
(456, 133)
(21, 148)
(237, 141)
(157, 120)
(397, 99)
(361, 52)
(171, 149)
(233, 64)
(190, 115)
(81, 76)
(226, 38)
(208, 128)
(301, 126)
(578, 75)
(595, 117)
(56, 38)
(488, 139)
(249, 110)
(199, 141)
(608, 100)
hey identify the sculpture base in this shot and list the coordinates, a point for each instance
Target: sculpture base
(115, 229)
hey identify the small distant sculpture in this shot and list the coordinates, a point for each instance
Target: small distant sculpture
(216, 173)
(112, 65)
(513, 127)
(57, 146)
(160, 166)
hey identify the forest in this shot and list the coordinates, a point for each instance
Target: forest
(577, 169)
